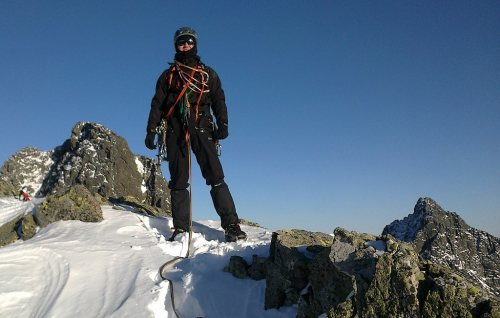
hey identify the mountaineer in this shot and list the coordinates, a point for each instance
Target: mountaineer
(186, 95)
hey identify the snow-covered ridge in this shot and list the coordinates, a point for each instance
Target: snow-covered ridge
(111, 267)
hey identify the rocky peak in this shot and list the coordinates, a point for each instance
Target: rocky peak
(95, 157)
(445, 238)
(27, 168)
(357, 275)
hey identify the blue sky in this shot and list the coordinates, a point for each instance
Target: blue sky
(341, 113)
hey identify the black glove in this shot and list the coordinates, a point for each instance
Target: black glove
(150, 140)
(222, 132)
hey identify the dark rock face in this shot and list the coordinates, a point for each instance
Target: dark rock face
(360, 275)
(27, 168)
(444, 238)
(23, 226)
(100, 160)
(156, 191)
(258, 270)
(138, 206)
(75, 204)
(241, 269)
(237, 266)
(7, 189)
(94, 157)
(286, 266)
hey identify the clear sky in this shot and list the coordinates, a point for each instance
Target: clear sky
(341, 113)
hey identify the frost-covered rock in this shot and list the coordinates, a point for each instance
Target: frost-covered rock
(363, 276)
(444, 238)
(101, 160)
(27, 168)
(94, 157)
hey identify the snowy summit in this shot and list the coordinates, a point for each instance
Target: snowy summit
(110, 269)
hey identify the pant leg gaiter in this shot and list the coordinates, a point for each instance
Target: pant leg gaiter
(180, 208)
(224, 204)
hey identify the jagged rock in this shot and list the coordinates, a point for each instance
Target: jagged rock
(258, 269)
(8, 232)
(286, 266)
(23, 226)
(393, 290)
(7, 189)
(77, 203)
(28, 227)
(237, 266)
(101, 199)
(444, 238)
(138, 206)
(27, 168)
(447, 292)
(157, 193)
(245, 222)
(100, 160)
(338, 273)
(240, 268)
(95, 157)
(361, 276)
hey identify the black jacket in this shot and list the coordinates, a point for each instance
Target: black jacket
(166, 96)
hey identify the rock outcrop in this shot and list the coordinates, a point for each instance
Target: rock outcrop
(23, 227)
(96, 158)
(7, 189)
(27, 168)
(77, 203)
(444, 238)
(361, 275)
(287, 270)
(239, 268)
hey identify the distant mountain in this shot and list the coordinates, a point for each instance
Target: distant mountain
(444, 238)
(95, 157)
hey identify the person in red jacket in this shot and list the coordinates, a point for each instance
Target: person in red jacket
(186, 95)
(22, 195)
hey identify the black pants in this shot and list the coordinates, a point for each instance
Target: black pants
(203, 146)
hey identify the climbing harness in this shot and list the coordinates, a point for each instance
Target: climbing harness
(195, 85)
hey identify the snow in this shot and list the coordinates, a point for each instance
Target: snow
(11, 208)
(379, 246)
(110, 269)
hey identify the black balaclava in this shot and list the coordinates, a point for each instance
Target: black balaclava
(187, 56)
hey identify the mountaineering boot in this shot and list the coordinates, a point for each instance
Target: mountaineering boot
(234, 233)
(176, 232)
(224, 204)
(180, 205)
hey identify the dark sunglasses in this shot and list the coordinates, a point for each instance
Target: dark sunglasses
(188, 41)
